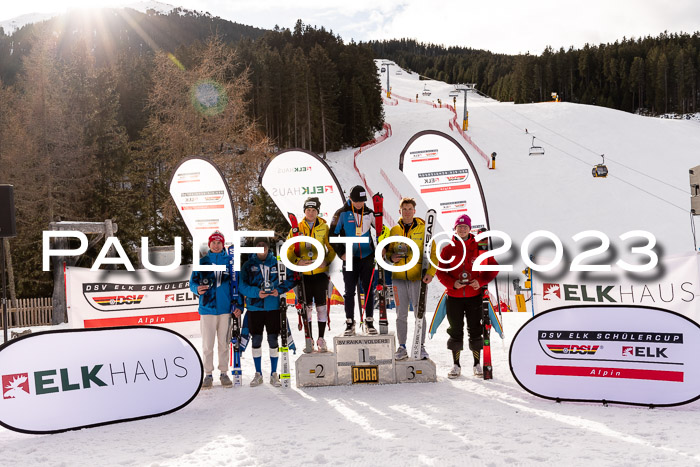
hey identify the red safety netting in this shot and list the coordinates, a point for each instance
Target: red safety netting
(363, 147)
(390, 183)
(453, 125)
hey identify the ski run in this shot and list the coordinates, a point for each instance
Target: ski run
(464, 421)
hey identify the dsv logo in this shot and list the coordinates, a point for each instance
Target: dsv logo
(118, 300)
(566, 349)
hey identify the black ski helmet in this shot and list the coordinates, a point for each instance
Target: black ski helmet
(312, 202)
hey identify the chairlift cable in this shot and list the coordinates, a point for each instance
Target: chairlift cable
(618, 178)
(587, 163)
(598, 153)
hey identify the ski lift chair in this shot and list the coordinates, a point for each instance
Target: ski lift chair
(536, 150)
(383, 69)
(600, 170)
(426, 91)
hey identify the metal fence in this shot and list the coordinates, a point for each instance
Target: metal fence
(29, 312)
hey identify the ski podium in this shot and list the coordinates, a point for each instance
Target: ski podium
(361, 359)
(369, 359)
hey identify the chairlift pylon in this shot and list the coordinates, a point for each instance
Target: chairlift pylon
(600, 170)
(536, 150)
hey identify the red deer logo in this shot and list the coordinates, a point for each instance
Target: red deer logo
(15, 386)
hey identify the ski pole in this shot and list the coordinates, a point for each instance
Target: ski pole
(367, 292)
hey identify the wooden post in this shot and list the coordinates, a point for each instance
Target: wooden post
(10, 273)
(109, 232)
(59, 284)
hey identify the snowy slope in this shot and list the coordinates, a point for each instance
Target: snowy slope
(11, 25)
(466, 421)
(648, 159)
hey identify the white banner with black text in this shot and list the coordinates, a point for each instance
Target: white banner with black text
(97, 299)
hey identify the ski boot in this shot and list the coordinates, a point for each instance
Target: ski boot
(257, 380)
(455, 372)
(369, 326)
(349, 327)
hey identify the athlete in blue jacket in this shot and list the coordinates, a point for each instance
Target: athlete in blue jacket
(214, 292)
(355, 219)
(259, 282)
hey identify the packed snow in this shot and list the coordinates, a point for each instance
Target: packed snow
(466, 421)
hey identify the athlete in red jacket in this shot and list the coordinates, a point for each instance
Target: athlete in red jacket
(463, 294)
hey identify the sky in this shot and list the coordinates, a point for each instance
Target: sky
(501, 26)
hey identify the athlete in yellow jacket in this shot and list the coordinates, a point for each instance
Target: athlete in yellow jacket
(407, 283)
(316, 281)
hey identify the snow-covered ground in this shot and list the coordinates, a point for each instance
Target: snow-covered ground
(467, 421)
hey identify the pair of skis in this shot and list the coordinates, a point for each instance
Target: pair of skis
(235, 327)
(423, 297)
(378, 203)
(284, 347)
(301, 292)
(486, 318)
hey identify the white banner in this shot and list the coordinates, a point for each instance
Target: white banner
(97, 299)
(294, 175)
(441, 172)
(203, 199)
(623, 354)
(63, 380)
(674, 285)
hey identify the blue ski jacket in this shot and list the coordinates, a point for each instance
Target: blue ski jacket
(216, 300)
(347, 222)
(251, 279)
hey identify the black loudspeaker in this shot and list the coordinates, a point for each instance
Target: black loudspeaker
(7, 212)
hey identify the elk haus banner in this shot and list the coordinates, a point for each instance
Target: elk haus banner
(123, 298)
(624, 354)
(675, 286)
(294, 175)
(56, 381)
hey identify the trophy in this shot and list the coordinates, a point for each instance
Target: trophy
(267, 287)
(464, 278)
(206, 282)
(402, 250)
